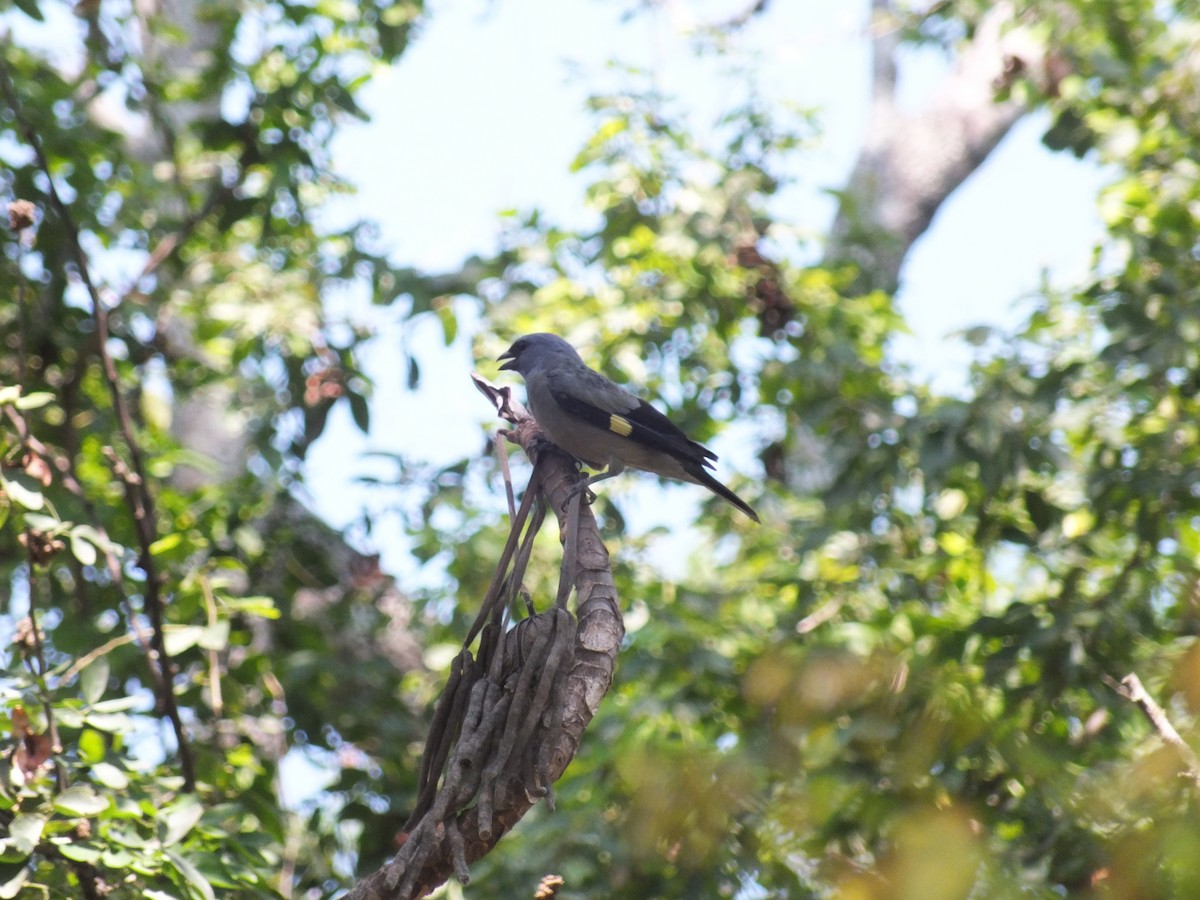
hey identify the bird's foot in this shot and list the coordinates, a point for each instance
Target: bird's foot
(580, 488)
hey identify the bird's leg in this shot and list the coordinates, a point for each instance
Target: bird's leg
(614, 469)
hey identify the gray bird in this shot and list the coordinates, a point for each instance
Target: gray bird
(601, 423)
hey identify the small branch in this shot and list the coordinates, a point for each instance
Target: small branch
(214, 658)
(169, 243)
(38, 672)
(20, 217)
(139, 497)
(741, 19)
(66, 470)
(90, 657)
(1131, 688)
(819, 616)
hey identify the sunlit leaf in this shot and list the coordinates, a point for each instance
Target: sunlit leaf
(82, 550)
(22, 496)
(193, 875)
(93, 680)
(177, 819)
(178, 638)
(25, 830)
(110, 776)
(80, 800)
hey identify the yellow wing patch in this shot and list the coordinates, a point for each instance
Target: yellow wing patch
(620, 426)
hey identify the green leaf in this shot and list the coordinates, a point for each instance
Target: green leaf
(25, 831)
(110, 776)
(166, 543)
(178, 819)
(21, 495)
(12, 887)
(115, 857)
(113, 723)
(70, 717)
(91, 746)
(215, 636)
(263, 607)
(117, 704)
(360, 411)
(93, 680)
(444, 308)
(178, 638)
(192, 874)
(128, 836)
(30, 9)
(93, 535)
(80, 800)
(34, 400)
(79, 852)
(48, 524)
(82, 550)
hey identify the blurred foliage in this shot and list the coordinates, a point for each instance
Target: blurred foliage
(194, 157)
(899, 686)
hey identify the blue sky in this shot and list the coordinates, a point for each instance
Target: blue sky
(487, 109)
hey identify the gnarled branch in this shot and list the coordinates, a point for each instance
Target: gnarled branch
(512, 716)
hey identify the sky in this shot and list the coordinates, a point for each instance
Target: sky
(485, 112)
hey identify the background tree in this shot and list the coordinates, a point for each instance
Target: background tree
(905, 682)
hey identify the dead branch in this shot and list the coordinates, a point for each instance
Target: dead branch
(512, 715)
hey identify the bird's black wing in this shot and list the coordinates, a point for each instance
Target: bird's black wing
(642, 424)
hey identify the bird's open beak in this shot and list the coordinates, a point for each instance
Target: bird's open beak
(512, 360)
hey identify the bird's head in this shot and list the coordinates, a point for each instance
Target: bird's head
(533, 351)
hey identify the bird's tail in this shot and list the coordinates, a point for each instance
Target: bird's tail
(702, 477)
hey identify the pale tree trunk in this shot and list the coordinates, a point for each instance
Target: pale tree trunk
(910, 163)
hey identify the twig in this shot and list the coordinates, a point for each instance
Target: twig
(39, 673)
(138, 494)
(214, 658)
(741, 19)
(20, 214)
(819, 616)
(90, 657)
(66, 470)
(20, 220)
(502, 455)
(1131, 688)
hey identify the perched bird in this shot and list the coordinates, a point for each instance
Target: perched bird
(601, 423)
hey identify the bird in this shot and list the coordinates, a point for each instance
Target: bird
(603, 425)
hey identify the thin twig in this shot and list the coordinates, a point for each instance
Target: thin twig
(214, 659)
(21, 220)
(502, 455)
(819, 616)
(66, 469)
(91, 656)
(741, 19)
(20, 217)
(139, 497)
(39, 674)
(1131, 688)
